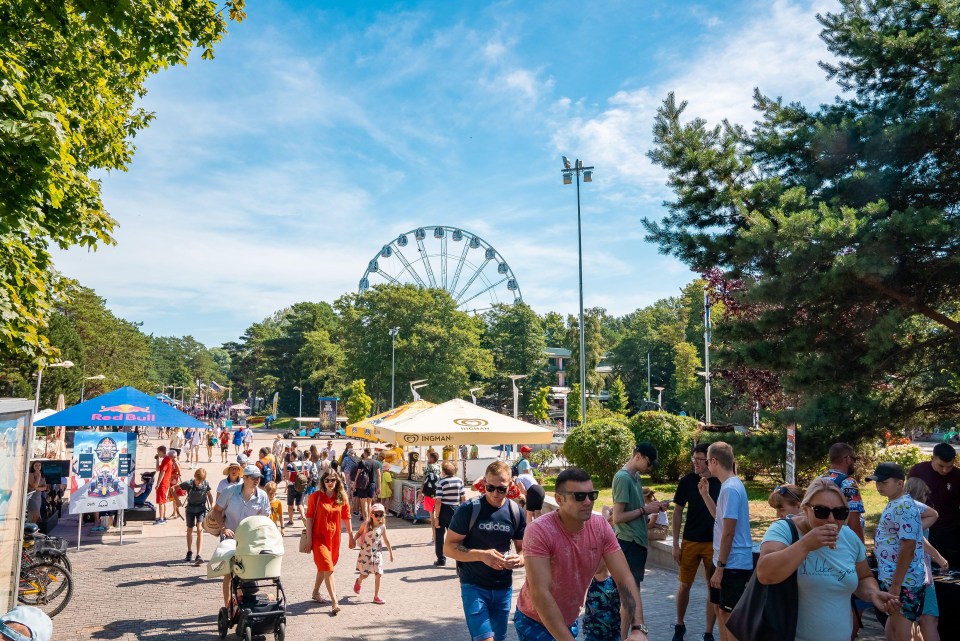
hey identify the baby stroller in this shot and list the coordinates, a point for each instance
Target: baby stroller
(258, 604)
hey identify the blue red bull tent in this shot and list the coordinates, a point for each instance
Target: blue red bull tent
(124, 407)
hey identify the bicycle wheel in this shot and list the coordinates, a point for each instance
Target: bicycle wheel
(56, 558)
(46, 586)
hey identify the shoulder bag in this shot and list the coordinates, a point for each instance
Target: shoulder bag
(767, 612)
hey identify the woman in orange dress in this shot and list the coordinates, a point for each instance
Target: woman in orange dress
(327, 508)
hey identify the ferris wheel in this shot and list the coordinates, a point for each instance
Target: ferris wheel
(468, 267)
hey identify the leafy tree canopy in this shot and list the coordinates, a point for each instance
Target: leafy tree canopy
(841, 223)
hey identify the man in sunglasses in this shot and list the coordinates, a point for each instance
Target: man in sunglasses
(478, 539)
(25, 623)
(630, 512)
(843, 459)
(562, 551)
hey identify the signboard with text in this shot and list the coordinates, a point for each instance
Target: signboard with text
(103, 463)
(791, 454)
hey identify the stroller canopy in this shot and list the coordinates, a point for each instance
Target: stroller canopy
(258, 535)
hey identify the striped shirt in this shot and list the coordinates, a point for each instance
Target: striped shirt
(450, 491)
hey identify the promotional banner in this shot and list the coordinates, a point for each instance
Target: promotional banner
(328, 412)
(102, 465)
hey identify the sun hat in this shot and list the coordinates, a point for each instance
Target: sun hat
(252, 470)
(35, 619)
(226, 470)
(886, 471)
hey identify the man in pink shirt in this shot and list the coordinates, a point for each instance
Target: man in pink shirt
(561, 553)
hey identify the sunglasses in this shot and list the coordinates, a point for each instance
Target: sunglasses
(329, 480)
(822, 512)
(379, 515)
(502, 489)
(580, 497)
(785, 491)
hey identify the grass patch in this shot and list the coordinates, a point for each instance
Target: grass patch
(761, 514)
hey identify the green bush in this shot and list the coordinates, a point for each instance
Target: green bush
(906, 456)
(765, 452)
(673, 437)
(600, 447)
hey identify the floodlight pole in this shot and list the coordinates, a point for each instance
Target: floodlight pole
(393, 364)
(706, 353)
(568, 171)
(300, 389)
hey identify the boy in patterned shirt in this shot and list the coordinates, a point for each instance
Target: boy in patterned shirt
(898, 546)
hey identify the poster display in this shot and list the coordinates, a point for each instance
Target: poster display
(15, 439)
(103, 463)
(328, 413)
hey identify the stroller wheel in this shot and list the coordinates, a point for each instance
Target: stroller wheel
(223, 622)
(247, 633)
(280, 631)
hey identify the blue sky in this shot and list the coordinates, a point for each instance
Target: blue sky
(322, 130)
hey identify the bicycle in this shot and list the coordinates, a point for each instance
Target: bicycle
(47, 586)
(40, 548)
(142, 437)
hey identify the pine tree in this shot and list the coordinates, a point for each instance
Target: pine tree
(618, 397)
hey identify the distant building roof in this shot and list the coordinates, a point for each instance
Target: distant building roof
(558, 351)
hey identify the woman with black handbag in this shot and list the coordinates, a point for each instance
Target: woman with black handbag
(829, 562)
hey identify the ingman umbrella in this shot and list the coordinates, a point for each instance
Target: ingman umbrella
(124, 407)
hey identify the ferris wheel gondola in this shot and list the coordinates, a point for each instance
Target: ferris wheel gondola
(474, 273)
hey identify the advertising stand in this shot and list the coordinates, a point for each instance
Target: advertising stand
(103, 464)
(16, 441)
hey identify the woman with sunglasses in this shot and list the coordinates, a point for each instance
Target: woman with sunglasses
(370, 537)
(830, 562)
(327, 508)
(785, 499)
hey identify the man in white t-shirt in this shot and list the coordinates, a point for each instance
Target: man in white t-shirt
(193, 454)
(732, 545)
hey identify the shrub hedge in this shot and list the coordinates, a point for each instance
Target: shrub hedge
(600, 447)
(673, 437)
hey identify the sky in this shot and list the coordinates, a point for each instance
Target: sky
(322, 131)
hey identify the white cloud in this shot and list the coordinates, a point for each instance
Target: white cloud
(777, 50)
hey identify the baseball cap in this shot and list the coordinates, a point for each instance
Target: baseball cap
(886, 471)
(242, 459)
(36, 620)
(252, 470)
(526, 448)
(944, 452)
(648, 450)
(378, 507)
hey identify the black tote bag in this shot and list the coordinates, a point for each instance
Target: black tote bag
(767, 612)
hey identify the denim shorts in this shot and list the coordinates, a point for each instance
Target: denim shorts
(532, 630)
(487, 611)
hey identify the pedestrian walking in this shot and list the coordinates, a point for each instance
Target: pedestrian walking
(732, 545)
(199, 500)
(211, 440)
(233, 476)
(224, 444)
(695, 547)
(449, 495)
(237, 440)
(942, 476)
(365, 483)
(479, 541)
(300, 474)
(327, 509)
(532, 492)
(276, 507)
(164, 476)
(630, 512)
(370, 538)
(928, 623)
(432, 473)
(562, 551)
(195, 442)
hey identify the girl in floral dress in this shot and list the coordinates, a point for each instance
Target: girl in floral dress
(370, 560)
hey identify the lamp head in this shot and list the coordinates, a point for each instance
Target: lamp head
(566, 162)
(567, 178)
(588, 176)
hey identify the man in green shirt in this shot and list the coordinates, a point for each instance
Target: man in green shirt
(629, 512)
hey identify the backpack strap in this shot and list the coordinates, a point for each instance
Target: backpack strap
(840, 478)
(794, 533)
(474, 513)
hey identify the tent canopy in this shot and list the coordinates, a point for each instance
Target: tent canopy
(459, 422)
(124, 407)
(365, 429)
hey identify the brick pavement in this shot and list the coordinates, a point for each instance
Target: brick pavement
(144, 590)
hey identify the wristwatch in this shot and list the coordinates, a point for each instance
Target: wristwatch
(640, 627)
(721, 564)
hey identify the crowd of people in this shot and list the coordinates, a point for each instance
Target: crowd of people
(583, 570)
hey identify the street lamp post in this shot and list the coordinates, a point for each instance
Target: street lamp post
(98, 377)
(66, 364)
(393, 364)
(415, 385)
(660, 396)
(516, 398)
(473, 396)
(300, 389)
(568, 172)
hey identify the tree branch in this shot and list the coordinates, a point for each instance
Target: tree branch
(909, 302)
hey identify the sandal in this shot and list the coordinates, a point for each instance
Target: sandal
(356, 586)
(378, 600)
(335, 610)
(322, 600)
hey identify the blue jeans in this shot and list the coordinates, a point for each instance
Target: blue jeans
(531, 630)
(487, 611)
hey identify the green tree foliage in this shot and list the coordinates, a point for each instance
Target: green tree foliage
(71, 73)
(674, 437)
(554, 329)
(687, 386)
(573, 404)
(437, 342)
(358, 403)
(839, 223)
(600, 447)
(539, 405)
(618, 397)
(515, 338)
